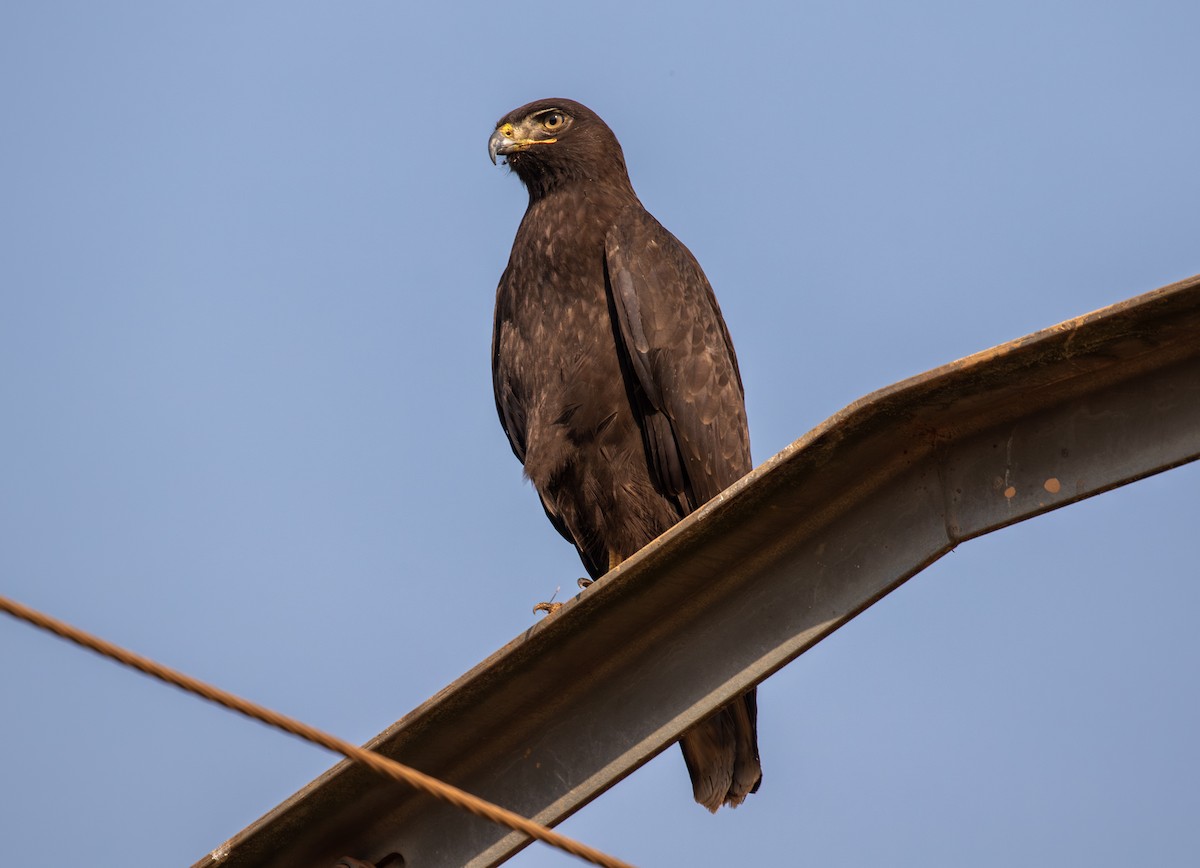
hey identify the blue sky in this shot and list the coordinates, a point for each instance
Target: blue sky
(247, 262)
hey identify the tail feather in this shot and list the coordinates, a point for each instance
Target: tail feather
(722, 754)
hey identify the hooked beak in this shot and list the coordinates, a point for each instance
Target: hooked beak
(501, 144)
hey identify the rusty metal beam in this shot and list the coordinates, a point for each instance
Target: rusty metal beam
(811, 538)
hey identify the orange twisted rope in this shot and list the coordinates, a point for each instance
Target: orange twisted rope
(384, 766)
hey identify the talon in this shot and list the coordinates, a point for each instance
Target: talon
(548, 608)
(584, 583)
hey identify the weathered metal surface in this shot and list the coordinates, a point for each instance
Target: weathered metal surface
(808, 540)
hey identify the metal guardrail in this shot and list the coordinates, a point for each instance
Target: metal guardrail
(739, 589)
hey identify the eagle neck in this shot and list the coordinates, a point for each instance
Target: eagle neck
(595, 204)
(544, 179)
(544, 186)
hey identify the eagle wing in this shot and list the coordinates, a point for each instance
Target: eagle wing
(677, 349)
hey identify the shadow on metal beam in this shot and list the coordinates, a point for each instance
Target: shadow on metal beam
(811, 538)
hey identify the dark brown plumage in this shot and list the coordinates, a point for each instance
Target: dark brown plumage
(615, 378)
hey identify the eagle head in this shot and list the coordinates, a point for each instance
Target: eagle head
(555, 141)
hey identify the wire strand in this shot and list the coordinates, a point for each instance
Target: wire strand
(379, 763)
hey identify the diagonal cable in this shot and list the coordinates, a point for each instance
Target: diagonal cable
(381, 764)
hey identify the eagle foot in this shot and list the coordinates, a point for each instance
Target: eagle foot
(548, 608)
(584, 583)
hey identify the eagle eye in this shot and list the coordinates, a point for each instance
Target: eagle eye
(552, 121)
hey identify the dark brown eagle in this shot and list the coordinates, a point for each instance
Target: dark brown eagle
(615, 377)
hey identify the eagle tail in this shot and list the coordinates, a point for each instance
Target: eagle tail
(722, 754)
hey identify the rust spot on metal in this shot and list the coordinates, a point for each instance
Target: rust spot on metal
(1052, 485)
